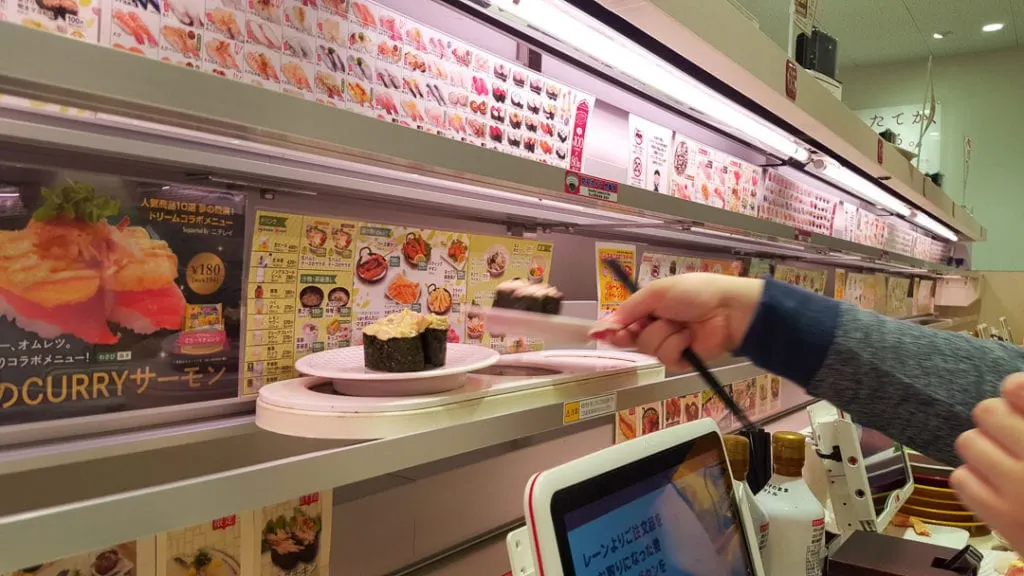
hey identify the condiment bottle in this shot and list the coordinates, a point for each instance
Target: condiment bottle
(796, 544)
(737, 449)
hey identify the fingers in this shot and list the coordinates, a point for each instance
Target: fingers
(978, 496)
(1002, 424)
(1013, 391)
(988, 460)
(670, 352)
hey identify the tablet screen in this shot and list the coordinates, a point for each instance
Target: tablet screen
(671, 513)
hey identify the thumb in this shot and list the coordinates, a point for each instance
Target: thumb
(639, 306)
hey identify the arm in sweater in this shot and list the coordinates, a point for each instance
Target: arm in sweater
(914, 384)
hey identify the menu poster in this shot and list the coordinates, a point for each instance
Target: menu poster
(150, 319)
(651, 418)
(295, 536)
(654, 266)
(924, 297)
(759, 267)
(713, 407)
(76, 19)
(215, 547)
(271, 299)
(611, 292)
(324, 285)
(684, 168)
(691, 407)
(134, 558)
(649, 162)
(813, 280)
(400, 268)
(627, 422)
(728, 267)
(744, 393)
(839, 290)
(403, 72)
(863, 290)
(496, 259)
(897, 299)
(769, 394)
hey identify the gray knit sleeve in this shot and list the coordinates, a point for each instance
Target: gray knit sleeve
(914, 384)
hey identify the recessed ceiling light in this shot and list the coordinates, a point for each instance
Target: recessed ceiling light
(995, 27)
(938, 35)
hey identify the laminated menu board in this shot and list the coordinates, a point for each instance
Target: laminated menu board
(924, 296)
(117, 299)
(493, 260)
(808, 279)
(654, 266)
(74, 19)
(299, 293)
(789, 202)
(897, 298)
(627, 423)
(214, 548)
(759, 267)
(404, 72)
(769, 393)
(295, 537)
(610, 292)
(651, 418)
(866, 291)
(728, 267)
(649, 161)
(133, 558)
(401, 268)
(684, 167)
(839, 289)
(713, 407)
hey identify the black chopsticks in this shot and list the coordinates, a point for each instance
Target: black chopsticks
(688, 355)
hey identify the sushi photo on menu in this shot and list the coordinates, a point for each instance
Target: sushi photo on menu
(102, 285)
(126, 559)
(295, 536)
(399, 268)
(133, 27)
(212, 548)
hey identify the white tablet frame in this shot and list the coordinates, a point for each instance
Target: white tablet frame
(540, 528)
(848, 487)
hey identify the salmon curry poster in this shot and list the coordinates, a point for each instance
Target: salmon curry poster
(118, 296)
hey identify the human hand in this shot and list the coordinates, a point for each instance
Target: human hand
(709, 313)
(991, 480)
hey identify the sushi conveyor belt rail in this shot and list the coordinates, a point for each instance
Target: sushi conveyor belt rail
(304, 146)
(203, 471)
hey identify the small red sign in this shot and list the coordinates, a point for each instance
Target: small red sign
(225, 522)
(309, 499)
(881, 151)
(579, 133)
(791, 79)
(579, 184)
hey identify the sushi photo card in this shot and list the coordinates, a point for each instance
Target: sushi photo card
(133, 558)
(294, 537)
(496, 259)
(90, 332)
(219, 547)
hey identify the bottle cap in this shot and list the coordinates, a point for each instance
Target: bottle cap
(788, 451)
(737, 449)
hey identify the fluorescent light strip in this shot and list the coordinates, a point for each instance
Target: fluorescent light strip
(926, 222)
(857, 185)
(581, 32)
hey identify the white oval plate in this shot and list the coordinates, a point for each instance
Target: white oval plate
(345, 367)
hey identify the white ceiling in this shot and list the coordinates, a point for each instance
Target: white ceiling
(879, 31)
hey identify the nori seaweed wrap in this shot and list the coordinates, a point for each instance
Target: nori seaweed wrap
(435, 341)
(395, 344)
(522, 295)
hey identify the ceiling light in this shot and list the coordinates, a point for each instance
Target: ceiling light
(600, 42)
(858, 185)
(994, 27)
(927, 223)
(938, 35)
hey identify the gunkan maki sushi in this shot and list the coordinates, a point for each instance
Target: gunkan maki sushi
(521, 294)
(395, 343)
(435, 341)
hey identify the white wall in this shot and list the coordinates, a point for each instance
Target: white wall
(982, 96)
